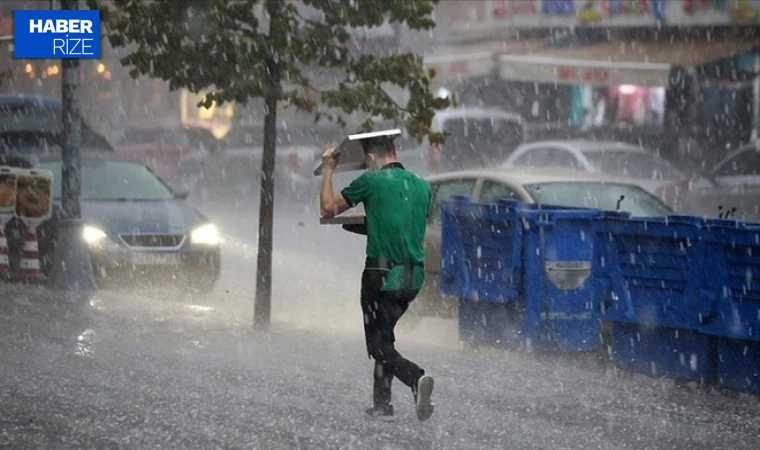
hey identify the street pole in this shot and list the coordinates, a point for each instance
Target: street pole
(72, 131)
(72, 272)
(756, 99)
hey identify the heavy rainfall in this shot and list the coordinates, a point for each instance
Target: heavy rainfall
(170, 276)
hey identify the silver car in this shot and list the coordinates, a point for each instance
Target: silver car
(736, 190)
(623, 161)
(554, 187)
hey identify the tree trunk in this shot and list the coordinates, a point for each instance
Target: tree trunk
(72, 131)
(262, 310)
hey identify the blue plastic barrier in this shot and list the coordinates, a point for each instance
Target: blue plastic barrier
(662, 352)
(733, 251)
(738, 364)
(454, 276)
(558, 249)
(491, 323)
(650, 271)
(649, 278)
(522, 273)
(732, 280)
(481, 250)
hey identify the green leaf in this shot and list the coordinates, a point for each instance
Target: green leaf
(229, 48)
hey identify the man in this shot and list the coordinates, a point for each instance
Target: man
(396, 203)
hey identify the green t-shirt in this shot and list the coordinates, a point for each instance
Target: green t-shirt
(396, 204)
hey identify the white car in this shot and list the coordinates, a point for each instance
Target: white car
(620, 160)
(736, 192)
(548, 186)
(739, 168)
(477, 138)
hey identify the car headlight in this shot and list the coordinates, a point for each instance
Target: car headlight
(205, 235)
(93, 235)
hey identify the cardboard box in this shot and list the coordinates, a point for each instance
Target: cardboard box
(351, 151)
(344, 219)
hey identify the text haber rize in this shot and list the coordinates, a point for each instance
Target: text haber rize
(70, 45)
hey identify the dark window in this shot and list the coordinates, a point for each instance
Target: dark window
(493, 191)
(444, 190)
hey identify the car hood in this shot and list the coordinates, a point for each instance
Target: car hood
(151, 217)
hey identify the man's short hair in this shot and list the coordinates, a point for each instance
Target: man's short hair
(381, 146)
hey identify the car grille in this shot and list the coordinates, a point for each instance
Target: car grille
(153, 240)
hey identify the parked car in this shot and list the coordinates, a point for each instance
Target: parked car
(34, 122)
(736, 188)
(235, 171)
(138, 228)
(174, 152)
(477, 138)
(550, 186)
(623, 161)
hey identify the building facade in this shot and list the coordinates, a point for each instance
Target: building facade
(649, 65)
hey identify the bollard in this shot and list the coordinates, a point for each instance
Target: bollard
(7, 211)
(34, 205)
(29, 267)
(4, 262)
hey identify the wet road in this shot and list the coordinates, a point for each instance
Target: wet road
(149, 369)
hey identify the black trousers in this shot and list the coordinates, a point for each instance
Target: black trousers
(382, 310)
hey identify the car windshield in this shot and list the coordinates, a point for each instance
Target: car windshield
(113, 180)
(30, 118)
(632, 164)
(604, 196)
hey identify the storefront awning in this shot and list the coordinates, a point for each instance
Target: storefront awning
(614, 63)
(461, 62)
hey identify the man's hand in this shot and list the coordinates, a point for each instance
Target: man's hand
(329, 158)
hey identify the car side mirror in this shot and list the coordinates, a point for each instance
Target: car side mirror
(181, 193)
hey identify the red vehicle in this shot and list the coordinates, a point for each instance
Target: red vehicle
(162, 148)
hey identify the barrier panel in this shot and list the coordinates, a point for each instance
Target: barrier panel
(558, 249)
(480, 252)
(539, 299)
(663, 352)
(733, 252)
(650, 270)
(681, 294)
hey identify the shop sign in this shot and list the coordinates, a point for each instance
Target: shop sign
(698, 6)
(592, 10)
(586, 74)
(737, 10)
(558, 7)
(506, 8)
(461, 65)
(744, 12)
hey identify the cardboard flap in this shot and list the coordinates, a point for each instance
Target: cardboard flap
(343, 220)
(352, 153)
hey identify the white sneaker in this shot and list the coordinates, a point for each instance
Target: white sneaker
(423, 397)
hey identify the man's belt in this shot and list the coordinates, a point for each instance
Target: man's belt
(386, 264)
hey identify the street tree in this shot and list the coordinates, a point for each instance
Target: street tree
(274, 50)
